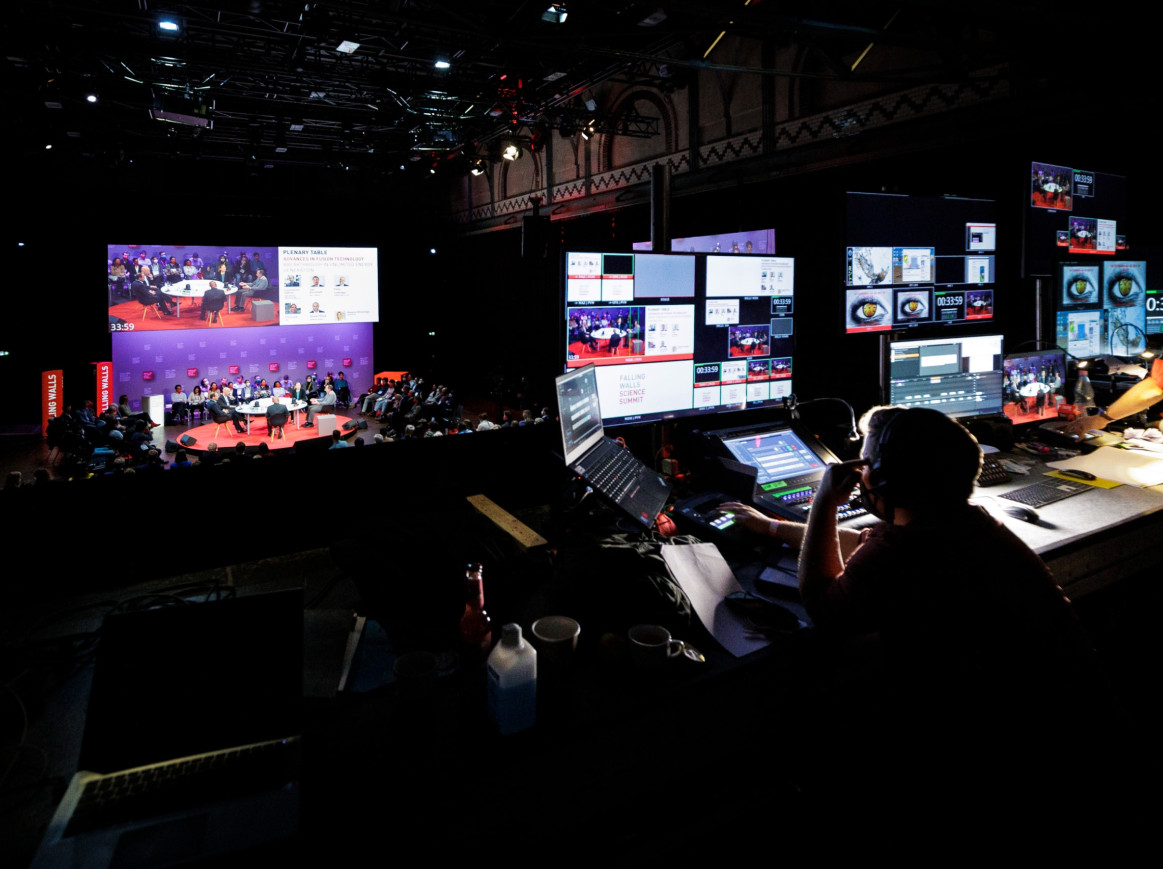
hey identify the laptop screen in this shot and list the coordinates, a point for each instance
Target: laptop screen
(581, 417)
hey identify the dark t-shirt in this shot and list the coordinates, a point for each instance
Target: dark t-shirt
(963, 608)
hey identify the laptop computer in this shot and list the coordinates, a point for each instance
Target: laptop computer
(611, 469)
(191, 739)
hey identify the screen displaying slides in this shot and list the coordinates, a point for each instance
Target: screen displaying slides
(700, 349)
(624, 277)
(914, 261)
(329, 284)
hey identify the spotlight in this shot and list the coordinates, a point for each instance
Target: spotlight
(442, 64)
(588, 130)
(511, 152)
(169, 26)
(477, 167)
(555, 14)
(91, 98)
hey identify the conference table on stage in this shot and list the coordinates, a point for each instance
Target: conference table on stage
(258, 407)
(194, 290)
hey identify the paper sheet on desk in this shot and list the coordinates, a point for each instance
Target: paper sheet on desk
(707, 580)
(1123, 466)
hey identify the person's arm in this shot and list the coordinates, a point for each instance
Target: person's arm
(821, 555)
(785, 531)
(1138, 398)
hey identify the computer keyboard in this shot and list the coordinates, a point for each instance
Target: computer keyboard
(160, 789)
(617, 469)
(1041, 494)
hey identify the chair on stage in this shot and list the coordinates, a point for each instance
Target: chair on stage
(276, 422)
(221, 417)
(216, 309)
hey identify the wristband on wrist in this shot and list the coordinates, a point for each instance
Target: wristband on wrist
(773, 528)
(1102, 412)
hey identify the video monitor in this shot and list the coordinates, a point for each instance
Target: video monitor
(1072, 212)
(918, 261)
(747, 241)
(957, 376)
(678, 334)
(158, 287)
(239, 311)
(1103, 307)
(1035, 385)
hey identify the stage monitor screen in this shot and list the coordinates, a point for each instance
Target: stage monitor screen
(158, 287)
(679, 335)
(1035, 384)
(957, 376)
(918, 261)
(1073, 212)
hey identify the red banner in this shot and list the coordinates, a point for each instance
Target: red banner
(104, 386)
(51, 400)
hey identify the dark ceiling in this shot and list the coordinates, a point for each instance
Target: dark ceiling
(275, 90)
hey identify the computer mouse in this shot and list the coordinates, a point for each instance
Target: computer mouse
(1021, 511)
(1077, 474)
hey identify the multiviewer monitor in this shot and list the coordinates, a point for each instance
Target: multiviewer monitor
(957, 376)
(1073, 212)
(676, 335)
(1104, 307)
(917, 261)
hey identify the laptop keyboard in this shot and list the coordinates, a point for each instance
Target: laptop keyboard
(616, 470)
(175, 786)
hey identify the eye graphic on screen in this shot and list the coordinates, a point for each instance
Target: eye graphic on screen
(912, 308)
(1080, 289)
(867, 311)
(1123, 290)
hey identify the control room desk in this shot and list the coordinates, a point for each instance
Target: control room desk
(1092, 539)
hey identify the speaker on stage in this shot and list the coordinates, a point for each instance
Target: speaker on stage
(187, 441)
(171, 446)
(351, 425)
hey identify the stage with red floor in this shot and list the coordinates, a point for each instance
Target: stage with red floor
(227, 437)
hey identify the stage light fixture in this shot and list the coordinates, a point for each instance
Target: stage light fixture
(91, 98)
(347, 47)
(511, 152)
(477, 167)
(589, 130)
(555, 14)
(442, 64)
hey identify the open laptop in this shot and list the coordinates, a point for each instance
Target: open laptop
(191, 740)
(611, 469)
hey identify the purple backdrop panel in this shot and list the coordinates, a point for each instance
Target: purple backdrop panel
(150, 363)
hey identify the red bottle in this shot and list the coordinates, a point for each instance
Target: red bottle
(476, 628)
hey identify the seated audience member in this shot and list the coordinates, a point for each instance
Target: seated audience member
(196, 400)
(485, 424)
(124, 411)
(179, 410)
(324, 403)
(181, 460)
(211, 456)
(337, 441)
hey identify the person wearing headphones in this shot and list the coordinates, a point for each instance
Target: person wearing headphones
(957, 598)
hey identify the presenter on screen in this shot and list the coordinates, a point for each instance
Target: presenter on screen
(1138, 398)
(245, 291)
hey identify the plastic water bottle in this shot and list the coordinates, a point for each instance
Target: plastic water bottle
(512, 674)
(1083, 391)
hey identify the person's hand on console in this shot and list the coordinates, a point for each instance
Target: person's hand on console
(749, 517)
(838, 481)
(1078, 428)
